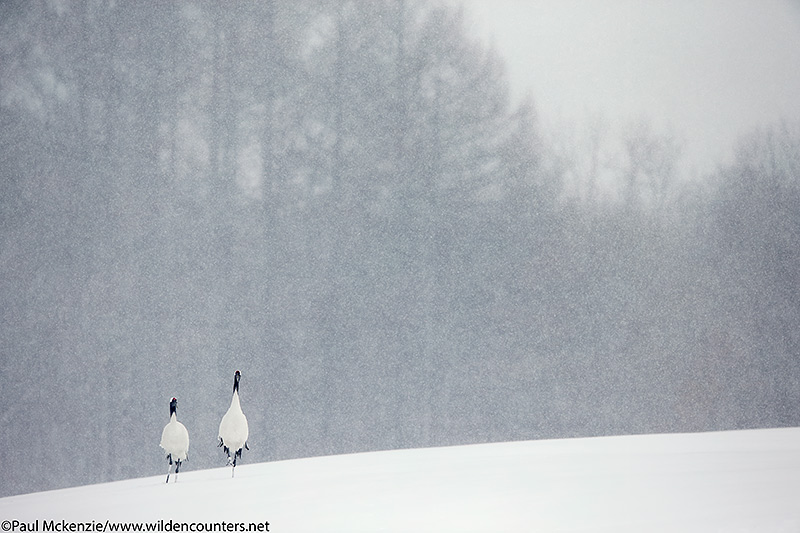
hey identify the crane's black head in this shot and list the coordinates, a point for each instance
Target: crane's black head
(173, 406)
(236, 377)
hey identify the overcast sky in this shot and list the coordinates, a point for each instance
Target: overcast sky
(708, 70)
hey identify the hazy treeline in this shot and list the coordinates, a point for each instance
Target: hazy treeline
(339, 200)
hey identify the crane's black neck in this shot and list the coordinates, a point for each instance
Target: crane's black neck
(173, 407)
(236, 377)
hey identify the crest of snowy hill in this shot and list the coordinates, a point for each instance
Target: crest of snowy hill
(725, 481)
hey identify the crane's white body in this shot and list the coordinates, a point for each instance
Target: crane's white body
(175, 439)
(233, 429)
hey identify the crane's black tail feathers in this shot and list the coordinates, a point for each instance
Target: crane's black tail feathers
(177, 463)
(169, 468)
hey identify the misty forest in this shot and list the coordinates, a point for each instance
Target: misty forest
(341, 200)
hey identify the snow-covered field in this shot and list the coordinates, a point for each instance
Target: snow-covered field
(710, 482)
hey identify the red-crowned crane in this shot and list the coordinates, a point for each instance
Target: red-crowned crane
(233, 430)
(175, 440)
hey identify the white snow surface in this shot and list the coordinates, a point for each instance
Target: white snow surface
(738, 481)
